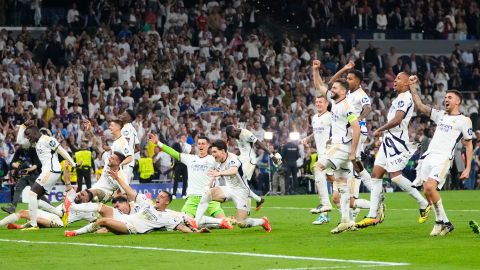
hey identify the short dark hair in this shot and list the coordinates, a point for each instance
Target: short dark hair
(457, 93)
(342, 82)
(203, 137)
(119, 199)
(118, 122)
(170, 196)
(229, 130)
(357, 73)
(219, 144)
(120, 156)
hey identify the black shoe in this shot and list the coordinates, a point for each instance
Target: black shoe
(9, 209)
(259, 204)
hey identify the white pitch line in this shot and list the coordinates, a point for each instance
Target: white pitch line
(246, 254)
(326, 267)
(388, 209)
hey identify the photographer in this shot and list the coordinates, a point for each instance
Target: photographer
(25, 168)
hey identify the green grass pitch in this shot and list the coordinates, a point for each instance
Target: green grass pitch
(398, 243)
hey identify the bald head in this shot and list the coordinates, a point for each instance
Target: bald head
(401, 82)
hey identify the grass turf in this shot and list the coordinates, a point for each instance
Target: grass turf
(398, 239)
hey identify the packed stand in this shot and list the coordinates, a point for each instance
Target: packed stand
(188, 71)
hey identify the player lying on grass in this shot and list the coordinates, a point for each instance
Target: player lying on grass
(198, 166)
(230, 169)
(46, 219)
(143, 217)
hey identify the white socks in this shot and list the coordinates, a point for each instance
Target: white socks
(344, 202)
(375, 196)
(87, 229)
(366, 179)
(440, 214)
(362, 204)
(322, 188)
(252, 222)
(406, 185)
(33, 207)
(254, 196)
(202, 206)
(210, 222)
(86, 207)
(12, 218)
(49, 208)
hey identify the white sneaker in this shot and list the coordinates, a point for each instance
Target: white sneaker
(321, 209)
(437, 228)
(324, 218)
(344, 226)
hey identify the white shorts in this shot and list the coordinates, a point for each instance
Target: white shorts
(394, 154)
(435, 166)
(48, 180)
(336, 159)
(248, 167)
(136, 225)
(107, 186)
(55, 221)
(238, 196)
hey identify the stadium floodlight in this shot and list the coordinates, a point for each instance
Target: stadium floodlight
(294, 136)
(268, 135)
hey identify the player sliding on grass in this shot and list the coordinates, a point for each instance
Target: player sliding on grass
(436, 161)
(246, 140)
(46, 219)
(198, 166)
(230, 169)
(142, 217)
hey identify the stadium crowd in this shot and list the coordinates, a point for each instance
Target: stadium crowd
(187, 71)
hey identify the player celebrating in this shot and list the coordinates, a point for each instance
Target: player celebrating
(130, 134)
(451, 127)
(47, 219)
(246, 140)
(360, 103)
(47, 149)
(321, 124)
(394, 153)
(230, 168)
(198, 166)
(142, 217)
(345, 137)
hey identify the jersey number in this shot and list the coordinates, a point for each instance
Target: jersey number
(389, 142)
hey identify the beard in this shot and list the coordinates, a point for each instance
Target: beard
(334, 96)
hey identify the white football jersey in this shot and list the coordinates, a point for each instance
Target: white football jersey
(238, 180)
(129, 132)
(341, 130)
(403, 102)
(321, 124)
(45, 148)
(148, 219)
(245, 145)
(357, 100)
(450, 129)
(197, 168)
(121, 145)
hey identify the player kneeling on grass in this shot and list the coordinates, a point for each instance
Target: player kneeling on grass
(49, 218)
(142, 217)
(230, 169)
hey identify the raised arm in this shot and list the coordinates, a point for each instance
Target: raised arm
(120, 178)
(320, 87)
(165, 148)
(339, 73)
(62, 152)
(421, 108)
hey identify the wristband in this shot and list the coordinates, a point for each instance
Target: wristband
(159, 144)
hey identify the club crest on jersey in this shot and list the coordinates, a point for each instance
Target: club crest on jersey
(400, 104)
(52, 143)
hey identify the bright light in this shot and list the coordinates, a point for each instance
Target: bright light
(294, 136)
(268, 135)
